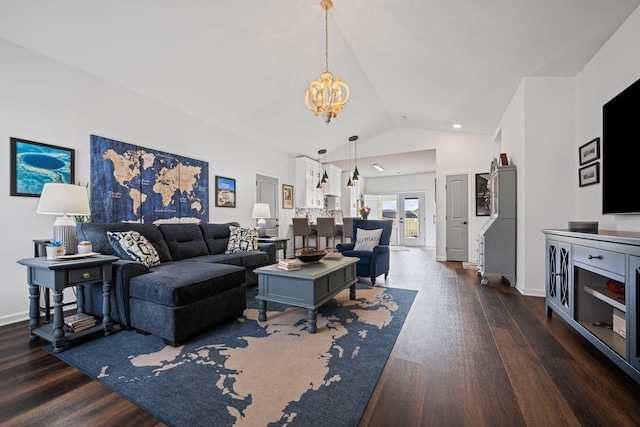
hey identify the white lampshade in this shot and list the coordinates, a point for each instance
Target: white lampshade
(261, 210)
(65, 200)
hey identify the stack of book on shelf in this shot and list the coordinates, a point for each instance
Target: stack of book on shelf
(289, 264)
(78, 322)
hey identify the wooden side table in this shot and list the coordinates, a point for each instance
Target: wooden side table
(281, 243)
(39, 250)
(57, 275)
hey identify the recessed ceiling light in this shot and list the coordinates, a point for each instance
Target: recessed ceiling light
(457, 126)
(377, 166)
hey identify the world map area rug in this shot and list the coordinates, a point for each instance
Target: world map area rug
(250, 373)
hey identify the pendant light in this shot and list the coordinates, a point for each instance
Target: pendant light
(350, 183)
(324, 178)
(356, 174)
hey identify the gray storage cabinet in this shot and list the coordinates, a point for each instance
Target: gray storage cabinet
(497, 239)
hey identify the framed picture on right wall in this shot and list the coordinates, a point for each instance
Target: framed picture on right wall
(589, 175)
(590, 151)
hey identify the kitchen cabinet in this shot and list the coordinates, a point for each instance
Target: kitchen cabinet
(307, 173)
(333, 187)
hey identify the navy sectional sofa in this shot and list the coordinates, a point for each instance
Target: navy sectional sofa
(195, 286)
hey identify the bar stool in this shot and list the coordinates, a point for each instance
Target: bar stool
(347, 228)
(302, 228)
(327, 229)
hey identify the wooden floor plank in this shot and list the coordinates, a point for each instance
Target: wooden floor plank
(403, 384)
(489, 390)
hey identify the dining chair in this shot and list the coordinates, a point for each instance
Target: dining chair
(347, 228)
(302, 228)
(326, 228)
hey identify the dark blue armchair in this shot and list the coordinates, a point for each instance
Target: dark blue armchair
(372, 263)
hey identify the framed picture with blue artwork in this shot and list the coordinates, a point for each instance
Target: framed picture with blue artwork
(33, 164)
(225, 192)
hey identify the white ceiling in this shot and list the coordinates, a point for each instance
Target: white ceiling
(244, 65)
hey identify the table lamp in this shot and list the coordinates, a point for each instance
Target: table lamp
(261, 211)
(65, 200)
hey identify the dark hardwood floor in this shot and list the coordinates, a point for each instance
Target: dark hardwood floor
(468, 355)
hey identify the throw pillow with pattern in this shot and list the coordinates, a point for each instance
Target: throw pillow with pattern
(242, 239)
(366, 240)
(133, 245)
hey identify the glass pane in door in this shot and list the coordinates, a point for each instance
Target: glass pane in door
(389, 205)
(412, 215)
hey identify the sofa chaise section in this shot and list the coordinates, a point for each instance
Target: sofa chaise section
(178, 299)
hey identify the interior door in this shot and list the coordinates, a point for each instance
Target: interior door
(267, 192)
(411, 215)
(457, 218)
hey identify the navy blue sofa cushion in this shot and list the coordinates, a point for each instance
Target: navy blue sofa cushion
(216, 236)
(184, 240)
(180, 283)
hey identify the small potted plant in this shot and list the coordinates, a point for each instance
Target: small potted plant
(55, 248)
(364, 211)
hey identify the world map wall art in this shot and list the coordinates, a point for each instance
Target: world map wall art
(33, 164)
(130, 183)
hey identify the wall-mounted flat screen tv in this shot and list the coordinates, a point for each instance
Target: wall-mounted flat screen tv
(621, 153)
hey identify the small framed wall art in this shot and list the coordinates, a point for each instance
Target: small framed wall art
(590, 151)
(33, 164)
(589, 174)
(287, 196)
(225, 192)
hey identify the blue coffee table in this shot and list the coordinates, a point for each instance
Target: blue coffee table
(309, 287)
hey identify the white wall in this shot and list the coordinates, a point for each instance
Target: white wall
(537, 133)
(410, 183)
(609, 72)
(45, 101)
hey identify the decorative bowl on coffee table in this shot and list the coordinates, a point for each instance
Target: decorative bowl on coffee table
(311, 255)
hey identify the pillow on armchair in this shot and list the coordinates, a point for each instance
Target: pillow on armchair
(366, 240)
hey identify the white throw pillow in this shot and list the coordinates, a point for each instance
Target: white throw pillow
(242, 239)
(135, 246)
(366, 240)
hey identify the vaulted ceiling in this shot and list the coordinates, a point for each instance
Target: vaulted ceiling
(244, 65)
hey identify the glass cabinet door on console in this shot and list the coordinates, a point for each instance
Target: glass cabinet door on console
(559, 271)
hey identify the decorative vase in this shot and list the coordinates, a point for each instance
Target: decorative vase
(365, 215)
